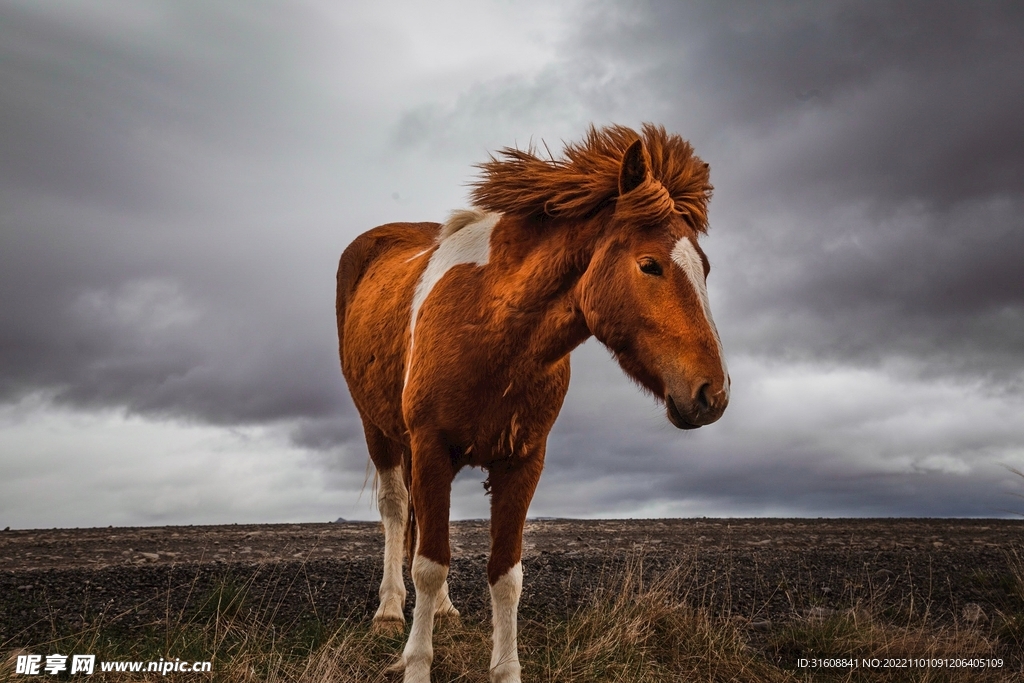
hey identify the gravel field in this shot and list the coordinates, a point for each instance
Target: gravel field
(758, 571)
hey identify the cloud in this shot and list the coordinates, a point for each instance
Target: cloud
(158, 208)
(868, 167)
(103, 467)
(177, 183)
(797, 439)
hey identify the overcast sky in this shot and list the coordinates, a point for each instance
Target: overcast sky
(178, 179)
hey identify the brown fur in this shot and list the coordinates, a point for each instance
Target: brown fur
(490, 364)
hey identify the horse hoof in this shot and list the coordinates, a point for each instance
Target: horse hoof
(388, 627)
(447, 610)
(418, 671)
(505, 675)
(449, 619)
(397, 667)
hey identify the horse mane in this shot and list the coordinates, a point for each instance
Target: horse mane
(459, 219)
(586, 178)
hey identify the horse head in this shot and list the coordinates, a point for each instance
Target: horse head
(644, 296)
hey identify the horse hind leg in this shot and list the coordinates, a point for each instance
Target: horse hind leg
(393, 503)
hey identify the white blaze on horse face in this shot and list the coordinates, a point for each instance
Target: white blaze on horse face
(685, 255)
(504, 606)
(470, 243)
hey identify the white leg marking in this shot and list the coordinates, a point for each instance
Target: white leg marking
(686, 257)
(469, 242)
(393, 502)
(505, 606)
(429, 578)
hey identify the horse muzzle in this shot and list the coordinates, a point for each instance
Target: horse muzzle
(705, 406)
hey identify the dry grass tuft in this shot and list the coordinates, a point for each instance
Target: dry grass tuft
(642, 633)
(861, 636)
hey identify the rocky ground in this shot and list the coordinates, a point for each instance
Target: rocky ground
(758, 571)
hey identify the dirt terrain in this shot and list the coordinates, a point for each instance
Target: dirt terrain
(758, 571)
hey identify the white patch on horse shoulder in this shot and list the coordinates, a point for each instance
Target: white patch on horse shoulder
(685, 255)
(464, 238)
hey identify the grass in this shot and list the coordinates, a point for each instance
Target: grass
(627, 631)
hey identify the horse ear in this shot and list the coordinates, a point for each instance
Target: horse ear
(636, 167)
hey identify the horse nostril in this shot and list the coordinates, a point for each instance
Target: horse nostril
(702, 396)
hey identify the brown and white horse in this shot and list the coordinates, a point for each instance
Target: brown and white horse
(455, 343)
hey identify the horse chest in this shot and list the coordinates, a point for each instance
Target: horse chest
(501, 415)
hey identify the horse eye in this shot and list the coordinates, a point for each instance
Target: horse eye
(650, 266)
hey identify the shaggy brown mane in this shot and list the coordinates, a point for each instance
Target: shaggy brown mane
(586, 178)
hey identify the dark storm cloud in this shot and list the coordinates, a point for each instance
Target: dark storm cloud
(868, 162)
(906, 100)
(939, 289)
(870, 171)
(151, 176)
(176, 184)
(108, 113)
(801, 439)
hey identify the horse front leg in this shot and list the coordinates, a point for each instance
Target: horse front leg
(431, 495)
(512, 485)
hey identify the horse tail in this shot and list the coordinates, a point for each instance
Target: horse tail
(350, 270)
(410, 525)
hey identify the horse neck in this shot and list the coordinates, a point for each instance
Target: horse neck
(542, 268)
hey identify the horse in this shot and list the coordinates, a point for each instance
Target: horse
(455, 339)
